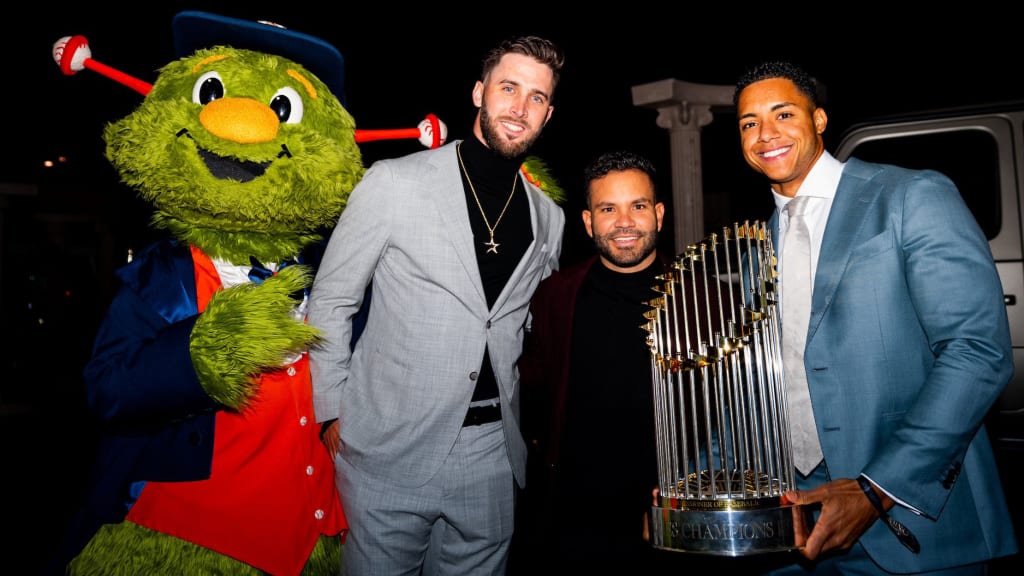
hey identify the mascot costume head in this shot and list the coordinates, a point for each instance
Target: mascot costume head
(210, 460)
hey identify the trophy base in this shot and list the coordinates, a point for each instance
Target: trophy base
(728, 528)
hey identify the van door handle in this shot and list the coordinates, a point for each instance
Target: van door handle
(1009, 299)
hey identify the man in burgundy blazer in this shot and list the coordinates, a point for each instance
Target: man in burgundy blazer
(588, 409)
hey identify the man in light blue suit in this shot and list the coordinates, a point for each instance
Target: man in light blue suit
(423, 413)
(906, 350)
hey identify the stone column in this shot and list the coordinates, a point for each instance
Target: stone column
(683, 108)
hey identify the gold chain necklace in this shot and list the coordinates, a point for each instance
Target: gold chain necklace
(492, 246)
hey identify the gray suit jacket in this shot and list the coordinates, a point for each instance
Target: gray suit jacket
(403, 392)
(907, 350)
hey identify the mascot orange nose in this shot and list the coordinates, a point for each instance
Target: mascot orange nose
(241, 120)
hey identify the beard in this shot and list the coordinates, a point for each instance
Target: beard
(509, 150)
(626, 257)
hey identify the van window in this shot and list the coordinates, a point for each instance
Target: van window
(968, 156)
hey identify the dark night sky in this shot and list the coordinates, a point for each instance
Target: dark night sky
(403, 64)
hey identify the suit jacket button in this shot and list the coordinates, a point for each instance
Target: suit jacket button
(473, 375)
(951, 477)
(194, 438)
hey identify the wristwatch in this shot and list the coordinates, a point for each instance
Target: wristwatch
(903, 534)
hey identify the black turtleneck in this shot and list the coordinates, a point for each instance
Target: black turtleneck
(492, 177)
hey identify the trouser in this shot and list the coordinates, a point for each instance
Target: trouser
(460, 522)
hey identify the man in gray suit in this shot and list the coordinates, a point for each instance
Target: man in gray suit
(907, 348)
(452, 243)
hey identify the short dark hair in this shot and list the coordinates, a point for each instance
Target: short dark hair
(618, 161)
(540, 49)
(806, 83)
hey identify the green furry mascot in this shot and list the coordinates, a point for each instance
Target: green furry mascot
(210, 459)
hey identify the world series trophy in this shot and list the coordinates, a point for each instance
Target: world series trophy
(722, 426)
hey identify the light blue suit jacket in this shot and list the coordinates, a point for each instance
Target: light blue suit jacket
(908, 348)
(402, 394)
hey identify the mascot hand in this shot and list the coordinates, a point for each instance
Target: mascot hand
(249, 329)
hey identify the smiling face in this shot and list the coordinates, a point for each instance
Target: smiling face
(515, 104)
(624, 219)
(240, 153)
(780, 132)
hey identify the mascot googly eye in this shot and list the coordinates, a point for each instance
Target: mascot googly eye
(210, 458)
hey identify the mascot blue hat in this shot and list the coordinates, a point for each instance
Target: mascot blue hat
(195, 30)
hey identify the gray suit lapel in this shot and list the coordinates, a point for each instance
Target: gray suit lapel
(451, 205)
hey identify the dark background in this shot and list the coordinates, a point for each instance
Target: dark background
(64, 229)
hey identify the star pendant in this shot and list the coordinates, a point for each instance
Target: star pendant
(492, 246)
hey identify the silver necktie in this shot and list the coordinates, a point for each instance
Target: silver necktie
(796, 311)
